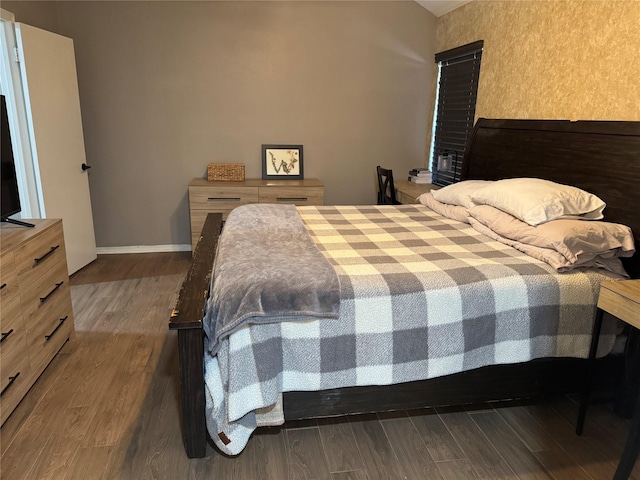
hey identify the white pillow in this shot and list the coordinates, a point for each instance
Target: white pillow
(537, 201)
(459, 193)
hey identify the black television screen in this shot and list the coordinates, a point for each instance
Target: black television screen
(10, 200)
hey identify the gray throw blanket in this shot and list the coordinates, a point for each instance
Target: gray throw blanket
(267, 269)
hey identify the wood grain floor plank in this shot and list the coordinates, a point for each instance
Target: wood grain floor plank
(303, 448)
(26, 407)
(484, 458)
(521, 460)
(160, 305)
(247, 466)
(217, 466)
(375, 449)
(269, 454)
(439, 441)
(351, 475)
(83, 301)
(55, 459)
(137, 439)
(90, 463)
(595, 462)
(112, 394)
(601, 422)
(87, 319)
(93, 368)
(21, 457)
(166, 458)
(339, 445)
(130, 302)
(410, 450)
(457, 470)
(47, 417)
(110, 422)
(263, 457)
(151, 440)
(531, 432)
(606, 430)
(561, 466)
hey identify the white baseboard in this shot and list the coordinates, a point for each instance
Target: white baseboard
(144, 249)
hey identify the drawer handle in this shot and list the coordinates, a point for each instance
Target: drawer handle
(46, 297)
(62, 320)
(224, 199)
(292, 199)
(11, 380)
(53, 249)
(5, 335)
(3, 286)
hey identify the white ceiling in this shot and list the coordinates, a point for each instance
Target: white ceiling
(440, 7)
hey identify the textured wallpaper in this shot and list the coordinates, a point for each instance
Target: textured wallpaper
(555, 59)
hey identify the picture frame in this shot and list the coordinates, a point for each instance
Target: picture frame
(282, 162)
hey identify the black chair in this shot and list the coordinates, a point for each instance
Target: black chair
(386, 189)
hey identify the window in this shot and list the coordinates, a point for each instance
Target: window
(458, 74)
(11, 88)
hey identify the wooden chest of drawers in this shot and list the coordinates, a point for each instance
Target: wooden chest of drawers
(36, 316)
(221, 197)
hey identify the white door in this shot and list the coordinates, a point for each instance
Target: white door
(48, 69)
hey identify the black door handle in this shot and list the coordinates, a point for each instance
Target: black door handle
(85, 167)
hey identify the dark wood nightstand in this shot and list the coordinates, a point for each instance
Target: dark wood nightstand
(622, 300)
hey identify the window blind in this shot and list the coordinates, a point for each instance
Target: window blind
(459, 72)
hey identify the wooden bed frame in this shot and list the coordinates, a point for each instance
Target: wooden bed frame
(598, 156)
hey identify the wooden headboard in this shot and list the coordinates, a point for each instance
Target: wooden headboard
(601, 157)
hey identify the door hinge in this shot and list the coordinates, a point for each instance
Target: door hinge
(16, 53)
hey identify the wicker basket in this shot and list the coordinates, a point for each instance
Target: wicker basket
(225, 172)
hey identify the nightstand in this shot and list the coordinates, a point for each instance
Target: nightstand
(622, 300)
(407, 192)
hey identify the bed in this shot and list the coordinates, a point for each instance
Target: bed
(600, 157)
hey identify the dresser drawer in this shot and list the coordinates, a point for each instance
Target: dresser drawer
(222, 197)
(15, 368)
(292, 195)
(16, 381)
(8, 277)
(13, 349)
(216, 199)
(44, 291)
(48, 331)
(10, 314)
(35, 257)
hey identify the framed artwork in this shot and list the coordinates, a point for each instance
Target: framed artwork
(282, 162)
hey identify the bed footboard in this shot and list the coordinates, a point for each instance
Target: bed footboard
(186, 318)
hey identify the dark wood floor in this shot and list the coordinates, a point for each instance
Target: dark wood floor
(108, 408)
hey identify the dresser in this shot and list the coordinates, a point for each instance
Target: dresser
(407, 192)
(36, 317)
(221, 197)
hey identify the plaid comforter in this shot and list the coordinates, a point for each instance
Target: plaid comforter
(421, 296)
